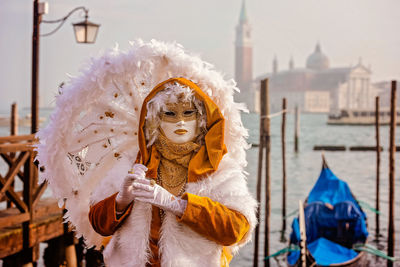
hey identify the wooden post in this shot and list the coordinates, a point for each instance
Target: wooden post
(27, 252)
(35, 67)
(267, 129)
(303, 237)
(13, 131)
(296, 129)
(378, 165)
(330, 148)
(69, 246)
(263, 114)
(70, 256)
(283, 239)
(392, 147)
(14, 119)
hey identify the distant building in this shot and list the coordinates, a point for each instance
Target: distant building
(244, 60)
(319, 87)
(385, 94)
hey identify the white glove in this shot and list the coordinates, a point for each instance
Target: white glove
(158, 196)
(126, 195)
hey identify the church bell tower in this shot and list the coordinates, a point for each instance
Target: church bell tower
(244, 60)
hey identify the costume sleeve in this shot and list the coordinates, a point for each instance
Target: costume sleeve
(213, 220)
(103, 216)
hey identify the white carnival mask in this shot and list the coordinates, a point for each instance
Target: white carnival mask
(179, 122)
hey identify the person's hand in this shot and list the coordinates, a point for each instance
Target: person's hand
(158, 196)
(126, 195)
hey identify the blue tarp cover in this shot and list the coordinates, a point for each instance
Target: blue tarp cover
(341, 222)
(344, 223)
(326, 252)
(293, 257)
(330, 189)
(294, 239)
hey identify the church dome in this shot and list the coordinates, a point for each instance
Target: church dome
(317, 60)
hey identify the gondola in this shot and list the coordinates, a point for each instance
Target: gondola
(329, 226)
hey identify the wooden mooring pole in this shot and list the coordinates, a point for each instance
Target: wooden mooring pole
(378, 165)
(283, 134)
(267, 130)
(296, 129)
(264, 143)
(259, 183)
(392, 151)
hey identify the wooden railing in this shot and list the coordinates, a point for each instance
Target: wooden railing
(27, 220)
(17, 152)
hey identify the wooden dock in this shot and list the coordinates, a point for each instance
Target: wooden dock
(26, 219)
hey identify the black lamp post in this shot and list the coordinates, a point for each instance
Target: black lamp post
(85, 32)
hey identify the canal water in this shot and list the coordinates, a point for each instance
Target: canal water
(356, 168)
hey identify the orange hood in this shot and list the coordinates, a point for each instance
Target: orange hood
(207, 159)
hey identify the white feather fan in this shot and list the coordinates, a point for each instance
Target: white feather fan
(91, 140)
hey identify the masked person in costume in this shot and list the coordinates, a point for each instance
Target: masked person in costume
(184, 201)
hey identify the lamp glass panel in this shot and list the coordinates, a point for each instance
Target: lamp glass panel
(92, 33)
(80, 33)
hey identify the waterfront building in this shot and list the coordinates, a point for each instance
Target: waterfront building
(318, 87)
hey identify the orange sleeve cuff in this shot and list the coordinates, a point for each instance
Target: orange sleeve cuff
(213, 220)
(103, 216)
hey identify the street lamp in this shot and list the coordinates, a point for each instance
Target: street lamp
(85, 32)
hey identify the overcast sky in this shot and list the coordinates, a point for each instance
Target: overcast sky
(346, 29)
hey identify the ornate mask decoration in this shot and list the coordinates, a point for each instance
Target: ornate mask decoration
(179, 122)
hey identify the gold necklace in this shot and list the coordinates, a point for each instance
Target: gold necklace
(160, 182)
(174, 185)
(172, 171)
